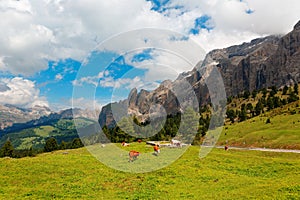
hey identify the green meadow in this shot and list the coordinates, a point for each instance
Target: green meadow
(282, 132)
(76, 174)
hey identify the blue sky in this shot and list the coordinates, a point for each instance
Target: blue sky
(50, 48)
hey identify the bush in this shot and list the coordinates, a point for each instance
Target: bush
(285, 89)
(76, 143)
(51, 145)
(7, 149)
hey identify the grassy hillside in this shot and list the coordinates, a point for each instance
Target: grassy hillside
(283, 131)
(62, 130)
(221, 175)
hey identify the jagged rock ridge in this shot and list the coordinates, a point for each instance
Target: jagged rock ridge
(262, 63)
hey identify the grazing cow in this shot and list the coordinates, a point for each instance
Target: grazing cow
(156, 149)
(175, 143)
(226, 147)
(133, 155)
(124, 144)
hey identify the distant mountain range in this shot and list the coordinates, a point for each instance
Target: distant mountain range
(262, 63)
(13, 119)
(10, 114)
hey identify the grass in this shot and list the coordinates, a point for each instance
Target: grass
(44, 131)
(282, 132)
(221, 175)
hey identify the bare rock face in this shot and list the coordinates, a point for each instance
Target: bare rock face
(262, 63)
(140, 104)
(244, 67)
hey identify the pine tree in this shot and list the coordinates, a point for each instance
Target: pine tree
(296, 89)
(270, 103)
(254, 93)
(231, 115)
(63, 145)
(285, 89)
(51, 145)
(7, 149)
(243, 115)
(246, 94)
(259, 108)
(76, 143)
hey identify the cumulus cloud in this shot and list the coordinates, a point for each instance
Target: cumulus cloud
(92, 80)
(127, 83)
(38, 31)
(35, 32)
(234, 24)
(21, 92)
(86, 104)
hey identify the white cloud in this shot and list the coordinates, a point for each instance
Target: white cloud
(164, 63)
(21, 92)
(85, 104)
(234, 26)
(35, 31)
(92, 80)
(128, 83)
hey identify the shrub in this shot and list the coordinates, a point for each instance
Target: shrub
(7, 149)
(51, 145)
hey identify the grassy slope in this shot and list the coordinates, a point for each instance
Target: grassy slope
(64, 129)
(282, 132)
(221, 175)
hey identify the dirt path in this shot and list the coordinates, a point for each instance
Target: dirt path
(262, 149)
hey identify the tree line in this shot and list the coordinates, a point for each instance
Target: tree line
(267, 99)
(7, 150)
(266, 102)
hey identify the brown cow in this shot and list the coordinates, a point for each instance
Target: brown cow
(133, 155)
(226, 148)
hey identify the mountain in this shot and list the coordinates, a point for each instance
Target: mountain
(261, 63)
(14, 119)
(10, 114)
(264, 62)
(34, 133)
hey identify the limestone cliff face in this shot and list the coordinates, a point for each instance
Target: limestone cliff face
(262, 63)
(245, 67)
(142, 103)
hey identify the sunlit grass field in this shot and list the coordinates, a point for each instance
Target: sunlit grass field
(282, 132)
(221, 175)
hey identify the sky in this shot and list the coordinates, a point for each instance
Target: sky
(90, 52)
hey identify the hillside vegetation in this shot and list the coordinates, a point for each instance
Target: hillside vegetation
(282, 131)
(61, 130)
(265, 118)
(272, 127)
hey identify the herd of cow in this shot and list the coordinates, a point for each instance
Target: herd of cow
(134, 154)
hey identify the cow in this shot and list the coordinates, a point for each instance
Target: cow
(226, 148)
(133, 155)
(124, 144)
(156, 149)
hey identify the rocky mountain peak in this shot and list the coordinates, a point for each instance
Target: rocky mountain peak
(297, 26)
(260, 63)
